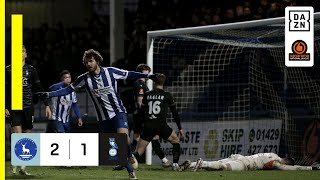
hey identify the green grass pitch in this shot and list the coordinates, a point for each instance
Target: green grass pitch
(156, 172)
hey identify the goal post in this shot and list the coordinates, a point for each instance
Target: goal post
(149, 84)
(234, 93)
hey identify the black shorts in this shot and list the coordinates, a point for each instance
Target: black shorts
(137, 123)
(152, 129)
(23, 118)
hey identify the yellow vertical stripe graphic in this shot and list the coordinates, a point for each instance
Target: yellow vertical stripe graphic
(2, 89)
(16, 61)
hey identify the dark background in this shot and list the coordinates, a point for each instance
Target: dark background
(57, 32)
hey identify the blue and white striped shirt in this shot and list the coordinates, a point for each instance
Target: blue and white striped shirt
(61, 105)
(103, 90)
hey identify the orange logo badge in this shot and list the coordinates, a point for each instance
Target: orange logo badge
(299, 49)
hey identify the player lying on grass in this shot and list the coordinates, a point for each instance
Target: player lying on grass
(260, 161)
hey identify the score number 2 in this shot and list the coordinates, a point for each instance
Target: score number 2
(56, 147)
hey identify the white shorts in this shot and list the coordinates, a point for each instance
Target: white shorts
(235, 165)
(236, 156)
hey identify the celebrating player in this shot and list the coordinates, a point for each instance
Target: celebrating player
(59, 122)
(155, 104)
(101, 84)
(260, 161)
(22, 120)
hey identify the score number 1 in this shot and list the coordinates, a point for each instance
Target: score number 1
(84, 148)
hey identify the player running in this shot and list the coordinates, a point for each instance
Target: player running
(155, 104)
(101, 85)
(59, 122)
(140, 88)
(260, 161)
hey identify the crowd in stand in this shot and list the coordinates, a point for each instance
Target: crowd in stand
(157, 15)
(52, 49)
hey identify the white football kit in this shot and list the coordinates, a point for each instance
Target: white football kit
(260, 161)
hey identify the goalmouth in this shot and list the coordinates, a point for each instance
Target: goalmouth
(232, 78)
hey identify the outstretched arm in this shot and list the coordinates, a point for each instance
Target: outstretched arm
(130, 75)
(61, 92)
(279, 166)
(77, 84)
(136, 75)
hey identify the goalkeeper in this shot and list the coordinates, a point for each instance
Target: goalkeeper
(260, 161)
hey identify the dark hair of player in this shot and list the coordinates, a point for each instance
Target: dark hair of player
(92, 53)
(143, 67)
(289, 161)
(64, 72)
(161, 79)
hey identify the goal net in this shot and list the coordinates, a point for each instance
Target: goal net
(234, 92)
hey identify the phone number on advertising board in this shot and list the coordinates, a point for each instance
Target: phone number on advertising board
(264, 134)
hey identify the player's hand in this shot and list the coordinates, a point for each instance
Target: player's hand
(80, 122)
(42, 95)
(153, 76)
(48, 112)
(7, 113)
(181, 134)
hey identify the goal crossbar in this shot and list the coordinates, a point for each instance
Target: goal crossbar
(236, 25)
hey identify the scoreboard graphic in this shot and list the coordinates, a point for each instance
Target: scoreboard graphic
(68, 149)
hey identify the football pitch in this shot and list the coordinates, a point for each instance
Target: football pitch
(156, 172)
